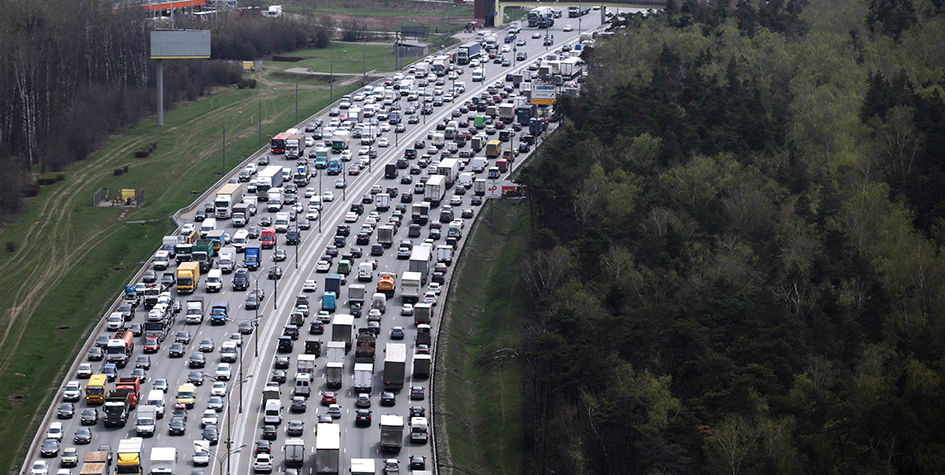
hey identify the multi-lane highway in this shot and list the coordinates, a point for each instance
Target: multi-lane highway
(241, 420)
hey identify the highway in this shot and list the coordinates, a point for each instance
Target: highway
(241, 420)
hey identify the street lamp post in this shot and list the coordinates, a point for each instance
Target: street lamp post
(227, 455)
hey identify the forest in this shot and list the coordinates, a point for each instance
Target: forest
(736, 256)
(75, 71)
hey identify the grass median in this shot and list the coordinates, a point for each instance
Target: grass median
(478, 386)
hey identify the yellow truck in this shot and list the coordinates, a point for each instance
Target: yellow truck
(188, 273)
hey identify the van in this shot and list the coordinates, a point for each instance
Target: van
(214, 280)
(365, 272)
(186, 395)
(379, 301)
(303, 385)
(145, 421)
(228, 352)
(161, 259)
(273, 414)
(227, 260)
(156, 399)
(206, 226)
(240, 240)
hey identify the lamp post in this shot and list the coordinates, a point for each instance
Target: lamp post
(227, 455)
(319, 200)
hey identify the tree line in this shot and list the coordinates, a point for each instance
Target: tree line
(75, 71)
(736, 262)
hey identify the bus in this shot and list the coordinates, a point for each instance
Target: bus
(95, 389)
(493, 149)
(277, 143)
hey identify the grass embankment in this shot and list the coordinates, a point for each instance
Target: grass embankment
(70, 260)
(478, 383)
(344, 58)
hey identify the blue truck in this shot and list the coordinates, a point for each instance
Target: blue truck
(251, 258)
(219, 312)
(334, 166)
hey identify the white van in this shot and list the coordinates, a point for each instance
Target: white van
(240, 239)
(273, 413)
(228, 352)
(206, 226)
(214, 280)
(227, 260)
(365, 272)
(161, 260)
(303, 385)
(156, 399)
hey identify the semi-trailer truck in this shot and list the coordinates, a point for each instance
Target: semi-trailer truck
(228, 196)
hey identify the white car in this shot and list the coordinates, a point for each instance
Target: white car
(474, 64)
(263, 463)
(365, 150)
(224, 372)
(506, 49)
(187, 229)
(310, 192)
(456, 200)
(328, 196)
(339, 183)
(568, 28)
(310, 286)
(72, 392)
(346, 156)
(312, 215)
(85, 371)
(430, 298)
(115, 321)
(209, 417)
(309, 142)
(435, 288)
(251, 168)
(39, 468)
(351, 217)
(219, 389)
(383, 142)
(385, 127)
(407, 310)
(54, 431)
(322, 266)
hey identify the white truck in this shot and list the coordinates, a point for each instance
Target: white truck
(385, 234)
(294, 452)
(342, 328)
(145, 421)
(449, 168)
(282, 222)
(395, 360)
(295, 146)
(422, 313)
(194, 312)
(365, 273)
(382, 201)
(466, 180)
(410, 286)
(356, 292)
(162, 259)
(363, 467)
(163, 461)
(392, 432)
(334, 369)
(363, 377)
(444, 254)
(227, 260)
(275, 200)
(227, 197)
(328, 448)
(435, 190)
(420, 261)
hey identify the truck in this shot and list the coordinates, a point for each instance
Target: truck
(163, 461)
(342, 327)
(340, 140)
(183, 246)
(251, 258)
(410, 285)
(574, 12)
(379, 302)
(382, 201)
(364, 351)
(334, 166)
(119, 347)
(201, 452)
(228, 196)
(449, 168)
(395, 360)
(116, 409)
(385, 235)
(468, 52)
(227, 261)
(203, 253)
(444, 254)
(95, 463)
(478, 141)
(421, 365)
(420, 261)
(295, 146)
(151, 293)
(356, 293)
(363, 467)
(294, 452)
(386, 283)
(130, 385)
(275, 199)
(329, 301)
(219, 311)
(435, 190)
(129, 455)
(328, 448)
(168, 243)
(422, 313)
(145, 421)
(506, 112)
(305, 364)
(465, 180)
(188, 273)
(158, 323)
(335, 366)
(269, 177)
(333, 283)
(420, 212)
(302, 175)
(479, 187)
(439, 65)
(194, 310)
(392, 432)
(363, 376)
(282, 222)
(321, 157)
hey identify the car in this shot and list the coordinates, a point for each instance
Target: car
(270, 432)
(84, 371)
(54, 431)
(263, 461)
(418, 462)
(388, 399)
(110, 370)
(197, 360)
(83, 435)
(252, 232)
(209, 417)
(215, 403)
(351, 216)
(334, 411)
(275, 273)
(97, 352)
(278, 376)
(262, 447)
(568, 28)
(406, 310)
(280, 255)
(265, 221)
(70, 457)
(328, 196)
(182, 337)
(39, 467)
(391, 466)
(136, 329)
(299, 404)
(325, 419)
(206, 345)
(329, 398)
(423, 349)
(89, 416)
(363, 400)
(195, 377)
(218, 389)
(224, 372)
(295, 428)
(151, 344)
(50, 447)
(211, 434)
(282, 362)
(416, 393)
(383, 142)
(322, 266)
(475, 200)
(66, 410)
(176, 350)
(417, 411)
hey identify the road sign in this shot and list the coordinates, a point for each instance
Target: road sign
(497, 188)
(543, 94)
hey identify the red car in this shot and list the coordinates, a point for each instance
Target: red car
(354, 170)
(328, 398)
(152, 345)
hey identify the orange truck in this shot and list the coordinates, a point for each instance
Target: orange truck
(120, 347)
(131, 386)
(386, 283)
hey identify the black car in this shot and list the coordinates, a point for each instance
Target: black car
(275, 273)
(83, 435)
(388, 399)
(293, 237)
(416, 393)
(143, 361)
(149, 277)
(282, 362)
(295, 428)
(363, 238)
(66, 410)
(176, 350)
(316, 328)
(262, 447)
(356, 252)
(362, 418)
(397, 333)
(211, 434)
(291, 331)
(241, 279)
(252, 232)
(136, 329)
(340, 241)
(406, 198)
(50, 448)
(475, 200)
(195, 378)
(182, 337)
(270, 432)
(418, 462)
(298, 404)
(89, 416)
(377, 249)
(177, 426)
(417, 411)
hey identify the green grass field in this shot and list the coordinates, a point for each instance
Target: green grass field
(343, 58)
(478, 383)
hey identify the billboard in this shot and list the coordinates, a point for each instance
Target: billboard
(543, 94)
(180, 44)
(497, 188)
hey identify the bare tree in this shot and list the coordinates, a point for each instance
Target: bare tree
(324, 31)
(546, 270)
(353, 29)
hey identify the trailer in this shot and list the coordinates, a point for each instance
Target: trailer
(328, 448)
(163, 461)
(394, 365)
(392, 432)
(342, 328)
(363, 377)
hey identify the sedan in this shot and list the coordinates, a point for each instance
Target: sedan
(176, 350)
(406, 310)
(322, 266)
(206, 345)
(282, 362)
(416, 393)
(211, 434)
(224, 372)
(263, 461)
(329, 196)
(310, 286)
(215, 403)
(89, 416)
(568, 28)
(83, 435)
(197, 360)
(269, 433)
(66, 410)
(362, 418)
(195, 378)
(50, 447)
(329, 398)
(218, 389)
(209, 418)
(351, 216)
(298, 404)
(418, 462)
(177, 426)
(280, 255)
(295, 428)
(388, 399)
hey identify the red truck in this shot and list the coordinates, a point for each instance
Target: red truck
(120, 347)
(268, 238)
(131, 386)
